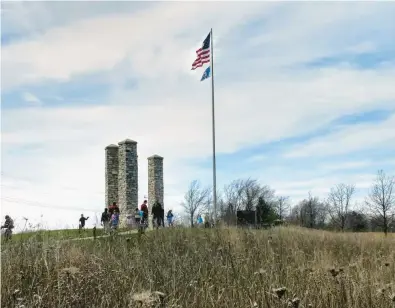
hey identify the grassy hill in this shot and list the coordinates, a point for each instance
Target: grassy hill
(54, 234)
(65, 234)
(281, 267)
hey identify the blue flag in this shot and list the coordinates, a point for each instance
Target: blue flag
(206, 73)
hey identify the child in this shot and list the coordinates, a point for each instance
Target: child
(115, 220)
(199, 220)
(170, 217)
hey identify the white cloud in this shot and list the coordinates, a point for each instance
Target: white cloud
(298, 189)
(257, 158)
(168, 113)
(141, 38)
(347, 165)
(31, 98)
(350, 139)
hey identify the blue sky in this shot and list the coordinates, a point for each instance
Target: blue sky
(305, 98)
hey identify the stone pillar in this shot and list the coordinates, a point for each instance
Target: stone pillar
(111, 174)
(127, 178)
(155, 181)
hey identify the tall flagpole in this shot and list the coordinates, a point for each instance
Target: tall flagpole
(213, 124)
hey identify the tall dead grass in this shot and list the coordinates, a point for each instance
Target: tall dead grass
(282, 267)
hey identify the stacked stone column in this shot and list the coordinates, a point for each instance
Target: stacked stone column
(127, 178)
(121, 178)
(155, 181)
(111, 174)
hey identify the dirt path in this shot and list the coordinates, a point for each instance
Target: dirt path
(103, 236)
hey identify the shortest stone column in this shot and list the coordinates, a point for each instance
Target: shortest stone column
(155, 182)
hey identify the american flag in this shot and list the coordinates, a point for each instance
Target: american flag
(203, 54)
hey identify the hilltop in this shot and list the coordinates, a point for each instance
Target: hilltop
(204, 268)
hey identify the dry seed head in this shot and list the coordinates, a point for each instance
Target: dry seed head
(295, 302)
(160, 294)
(280, 291)
(71, 270)
(392, 297)
(143, 298)
(334, 272)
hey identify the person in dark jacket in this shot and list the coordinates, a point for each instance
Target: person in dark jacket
(105, 220)
(82, 222)
(8, 226)
(157, 213)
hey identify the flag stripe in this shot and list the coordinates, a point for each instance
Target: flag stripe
(202, 54)
(201, 60)
(199, 64)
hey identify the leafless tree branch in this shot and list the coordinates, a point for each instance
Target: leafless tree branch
(339, 203)
(196, 200)
(381, 199)
(282, 206)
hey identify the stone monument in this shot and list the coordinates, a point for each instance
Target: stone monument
(127, 178)
(121, 178)
(155, 180)
(111, 174)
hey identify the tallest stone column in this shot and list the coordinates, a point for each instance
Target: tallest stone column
(127, 178)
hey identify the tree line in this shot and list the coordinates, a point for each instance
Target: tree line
(337, 211)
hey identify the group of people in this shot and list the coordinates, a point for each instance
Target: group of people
(203, 222)
(158, 215)
(110, 218)
(139, 220)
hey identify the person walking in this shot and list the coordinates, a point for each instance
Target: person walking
(114, 221)
(170, 218)
(137, 217)
(199, 220)
(144, 208)
(82, 222)
(157, 215)
(105, 220)
(207, 221)
(112, 208)
(8, 226)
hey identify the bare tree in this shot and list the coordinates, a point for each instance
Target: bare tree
(251, 193)
(282, 206)
(339, 202)
(381, 200)
(312, 212)
(196, 200)
(243, 194)
(233, 194)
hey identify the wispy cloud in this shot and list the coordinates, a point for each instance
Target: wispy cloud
(31, 98)
(349, 139)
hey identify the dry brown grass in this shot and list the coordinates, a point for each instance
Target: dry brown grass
(282, 267)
